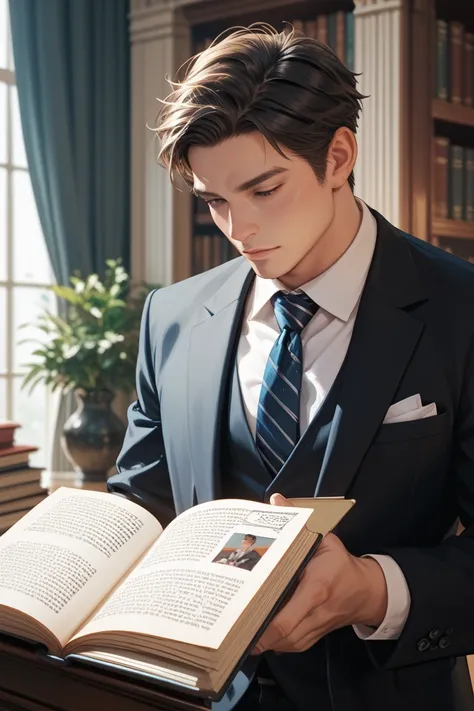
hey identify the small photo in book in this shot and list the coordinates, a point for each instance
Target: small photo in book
(243, 550)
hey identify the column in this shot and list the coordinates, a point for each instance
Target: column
(161, 223)
(381, 57)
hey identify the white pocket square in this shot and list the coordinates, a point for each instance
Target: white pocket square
(409, 409)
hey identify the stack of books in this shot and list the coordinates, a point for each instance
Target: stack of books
(20, 483)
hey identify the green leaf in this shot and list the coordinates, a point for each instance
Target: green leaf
(32, 374)
(96, 312)
(101, 316)
(35, 382)
(65, 292)
(60, 323)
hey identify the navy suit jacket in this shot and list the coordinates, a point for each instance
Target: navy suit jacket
(414, 333)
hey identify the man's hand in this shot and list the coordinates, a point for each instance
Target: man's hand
(336, 589)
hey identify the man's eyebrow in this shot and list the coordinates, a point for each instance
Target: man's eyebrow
(261, 178)
(252, 183)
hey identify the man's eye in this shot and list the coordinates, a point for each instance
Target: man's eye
(266, 193)
(214, 201)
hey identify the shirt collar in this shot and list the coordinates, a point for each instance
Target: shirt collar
(338, 289)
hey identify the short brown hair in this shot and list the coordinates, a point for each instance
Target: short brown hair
(291, 88)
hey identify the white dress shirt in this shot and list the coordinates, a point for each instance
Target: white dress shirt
(325, 342)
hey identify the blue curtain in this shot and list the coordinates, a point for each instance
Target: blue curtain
(72, 71)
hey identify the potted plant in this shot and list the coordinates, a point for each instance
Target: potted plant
(91, 351)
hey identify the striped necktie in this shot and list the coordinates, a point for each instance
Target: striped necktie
(279, 404)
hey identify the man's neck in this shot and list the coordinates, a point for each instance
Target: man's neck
(332, 244)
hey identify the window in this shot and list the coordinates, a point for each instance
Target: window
(25, 269)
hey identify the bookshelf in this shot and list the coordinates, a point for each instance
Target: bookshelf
(442, 162)
(452, 113)
(457, 229)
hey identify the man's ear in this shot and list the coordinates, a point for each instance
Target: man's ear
(342, 155)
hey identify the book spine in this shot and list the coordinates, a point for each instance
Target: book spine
(469, 176)
(468, 69)
(197, 254)
(311, 28)
(442, 60)
(350, 40)
(323, 29)
(456, 191)
(206, 252)
(440, 176)
(298, 25)
(341, 35)
(218, 247)
(332, 31)
(456, 31)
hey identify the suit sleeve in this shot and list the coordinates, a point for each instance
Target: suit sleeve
(142, 472)
(440, 579)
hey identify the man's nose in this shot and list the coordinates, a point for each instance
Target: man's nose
(241, 229)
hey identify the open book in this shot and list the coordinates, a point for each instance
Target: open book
(93, 576)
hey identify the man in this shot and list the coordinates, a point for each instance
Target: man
(244, 557)
(333, 358)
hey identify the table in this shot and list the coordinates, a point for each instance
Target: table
(52, 480)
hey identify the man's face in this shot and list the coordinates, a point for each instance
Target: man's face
(246, 543)
(275, 224)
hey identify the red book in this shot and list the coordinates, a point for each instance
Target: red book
(341, 35)
(7, 433)
(323, 29)
(311, 28)
(15, 456)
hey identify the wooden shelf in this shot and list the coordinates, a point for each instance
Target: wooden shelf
(201, 219)
(452, 228)
(452, 113)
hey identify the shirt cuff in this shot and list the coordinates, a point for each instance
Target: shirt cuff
(398, 603)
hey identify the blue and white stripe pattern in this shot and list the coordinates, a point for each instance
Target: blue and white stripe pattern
(279, 404)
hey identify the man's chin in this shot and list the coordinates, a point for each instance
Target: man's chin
(267, 271)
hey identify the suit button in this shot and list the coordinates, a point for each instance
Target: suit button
(448, 631)
(434, 634)
(444, 642)
(423, 645)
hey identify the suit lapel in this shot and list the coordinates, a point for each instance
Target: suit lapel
(384, 339)
(212, 344)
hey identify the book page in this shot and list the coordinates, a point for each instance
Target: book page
(63, 557)
(205, 569)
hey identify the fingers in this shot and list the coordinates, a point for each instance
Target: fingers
(307, 633)
(301, 644)
(279, 500)
(294, 621)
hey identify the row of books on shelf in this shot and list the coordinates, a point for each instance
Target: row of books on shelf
(211, 250)
(335, 29)
(453, 180)
(20, 483)
(454, 63)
